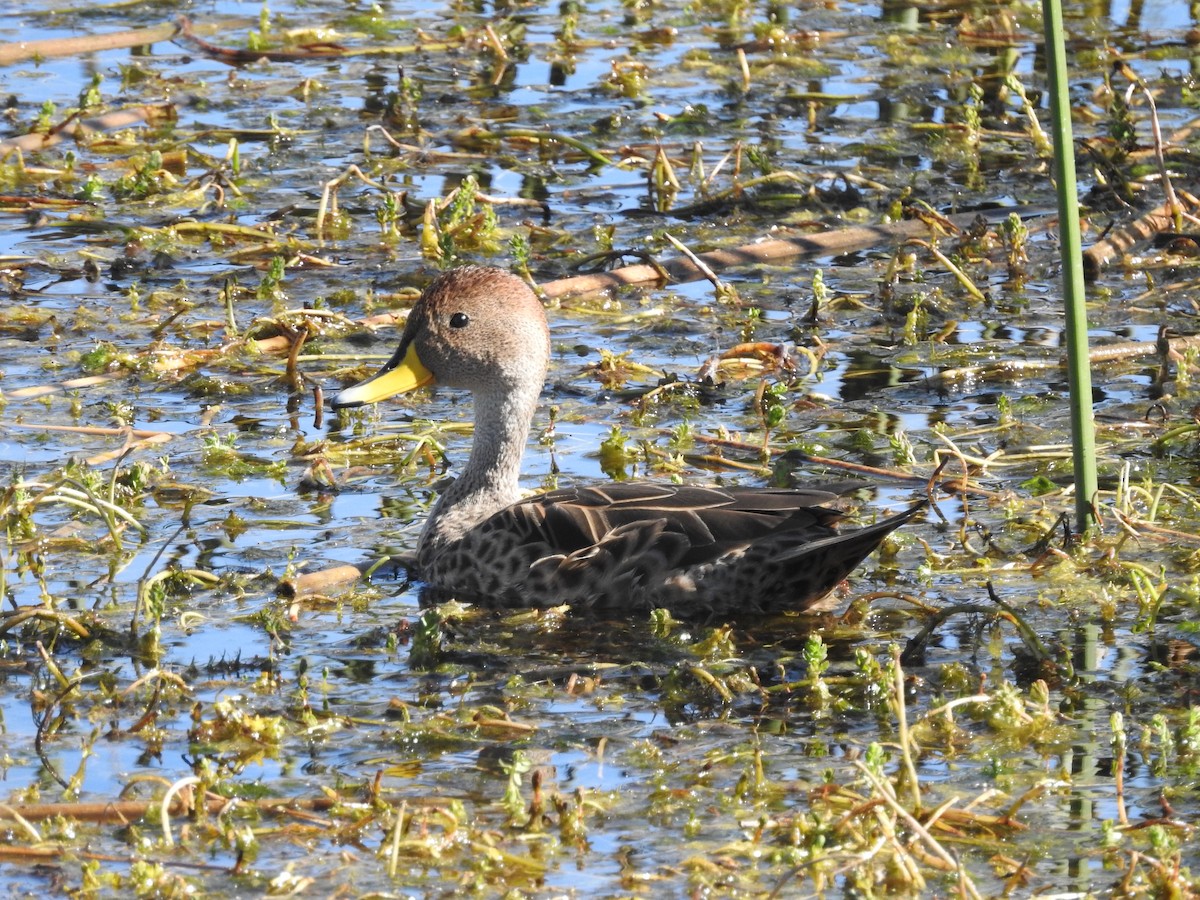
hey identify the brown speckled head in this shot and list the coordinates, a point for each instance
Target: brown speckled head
(474, 327)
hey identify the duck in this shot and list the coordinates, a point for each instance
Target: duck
(698, 551)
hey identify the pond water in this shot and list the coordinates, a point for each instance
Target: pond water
(147, 264)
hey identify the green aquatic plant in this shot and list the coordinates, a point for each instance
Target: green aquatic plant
(390, 215)
(1083, 429)
(90, 97)
(147, 178)
(459, 224)
(270, 285)
(1015, 235)
(706, 743)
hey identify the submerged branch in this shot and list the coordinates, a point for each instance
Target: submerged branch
(21, 51)
(683, 269)
(74, 126)
(319, 50)
(1157, 221)
(1018, 368)
(318, 582)
(235, 55)
(119, 812)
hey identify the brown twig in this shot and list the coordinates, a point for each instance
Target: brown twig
(1021, 368)
(1158, 220)
(317, 582)
(122, 811)
(11, 620)
(859, 468)
(237, 55)
(39, 855)
(682, 269)
(21, 51)
(74, 126)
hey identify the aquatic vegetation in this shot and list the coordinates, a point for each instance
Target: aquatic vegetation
(209, 235)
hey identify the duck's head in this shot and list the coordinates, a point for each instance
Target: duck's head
(475, 327)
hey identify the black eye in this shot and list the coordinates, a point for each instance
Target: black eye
(460, 320)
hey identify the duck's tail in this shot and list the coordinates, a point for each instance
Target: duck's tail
(817, 567)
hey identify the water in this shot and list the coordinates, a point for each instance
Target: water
(658, 766)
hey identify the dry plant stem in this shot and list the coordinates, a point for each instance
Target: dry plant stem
(12, 620)
(96, 430)
(917, 828)
(74, 126)
(185, 801)
(397, 833)
(529, 202)
(906, 743)
(23, 822)
(1137, 83)
(700, 265)
(495, 43)
(934, 818)
(904, 857)
(1141, 529)
(153, 440)
(707, 184)
(858, 468)
(1098, 355)
(317, 582)
(960, 276)
(713, 461)
(37, 855)
(20, 204)
(22, 51)
(121, 812)
(946, 708)
(140, 438)
(328, 205)
(683, 269)
(1158, 220)
(744, 66)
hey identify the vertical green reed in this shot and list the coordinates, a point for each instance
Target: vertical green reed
(1074, 296)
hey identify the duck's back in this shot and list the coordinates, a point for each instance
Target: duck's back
(698, 551)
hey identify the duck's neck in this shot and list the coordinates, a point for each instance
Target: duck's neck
(490, 480)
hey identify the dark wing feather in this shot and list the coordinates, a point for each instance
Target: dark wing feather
(623, 560)
(712, 521)
(696, 550)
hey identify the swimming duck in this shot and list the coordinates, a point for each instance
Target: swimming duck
(697, 551)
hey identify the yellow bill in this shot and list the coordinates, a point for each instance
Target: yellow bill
(402, 373)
